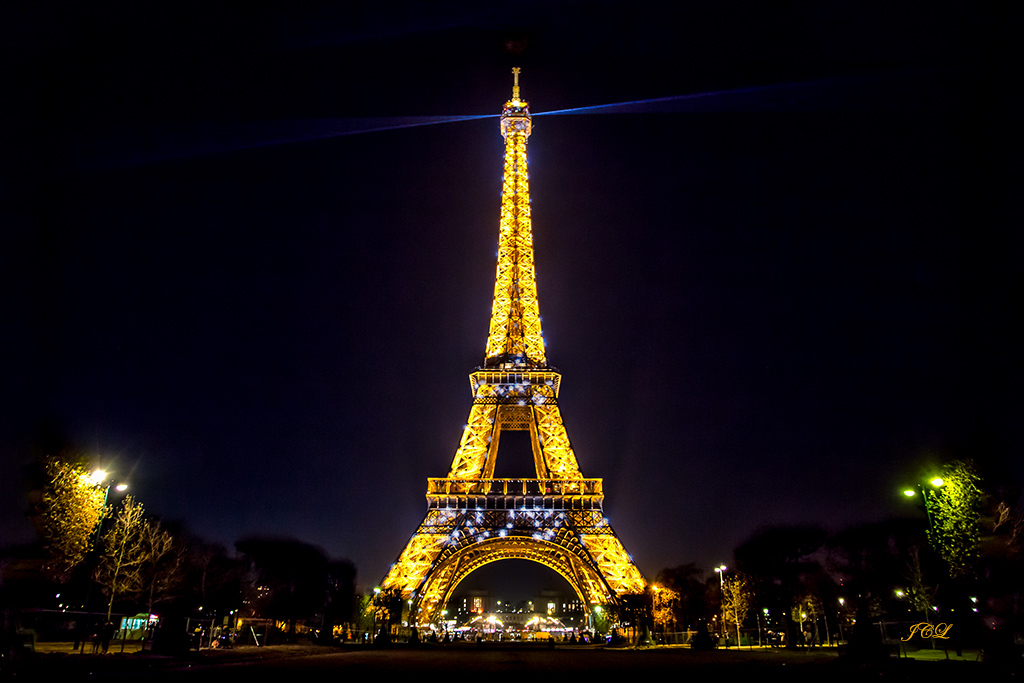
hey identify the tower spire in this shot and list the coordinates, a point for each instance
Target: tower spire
(514, 335)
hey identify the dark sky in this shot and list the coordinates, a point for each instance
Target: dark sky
(770, 306)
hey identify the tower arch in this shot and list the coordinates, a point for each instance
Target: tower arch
(559, 556)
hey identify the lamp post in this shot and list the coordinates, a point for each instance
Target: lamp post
(654, 606)
(720, 570)
(926, 493)
(96, 478)
(376, 605)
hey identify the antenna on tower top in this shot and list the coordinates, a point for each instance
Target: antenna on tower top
(515, 83)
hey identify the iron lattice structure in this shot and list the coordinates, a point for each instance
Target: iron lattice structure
(474, 519)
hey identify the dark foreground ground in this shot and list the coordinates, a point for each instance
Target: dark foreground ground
(468, 662)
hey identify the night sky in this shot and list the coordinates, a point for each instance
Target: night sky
(238, 267)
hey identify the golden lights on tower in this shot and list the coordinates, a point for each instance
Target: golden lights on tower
(474, 519)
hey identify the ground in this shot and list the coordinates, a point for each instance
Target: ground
(517, 659)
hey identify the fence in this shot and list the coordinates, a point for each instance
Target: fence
(750, 638)
(75, 630)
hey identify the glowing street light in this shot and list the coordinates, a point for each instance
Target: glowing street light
(937, 483)
(96, 478)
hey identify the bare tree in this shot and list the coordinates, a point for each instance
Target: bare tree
(809, 608)
(120, 571)
(920, 595)
(162, 562)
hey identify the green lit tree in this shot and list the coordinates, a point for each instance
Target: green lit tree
(72, 506)
(605, 616)
(955, 531)
(364, 613)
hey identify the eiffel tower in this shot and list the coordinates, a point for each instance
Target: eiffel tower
(474, 519)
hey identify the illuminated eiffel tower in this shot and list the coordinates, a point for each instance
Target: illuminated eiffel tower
(474, 519)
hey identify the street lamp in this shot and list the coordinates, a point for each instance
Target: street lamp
(842, 604)
(720, 570)
(375, 601)
(96, 478)
(926, 494)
